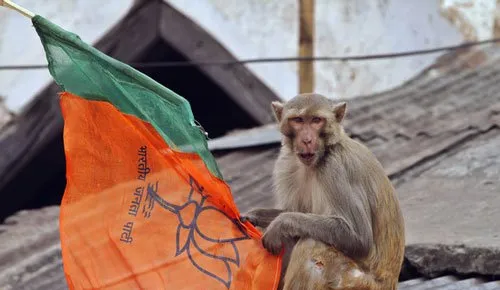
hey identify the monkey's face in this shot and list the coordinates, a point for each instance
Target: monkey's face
(310, 123)
(306, 138)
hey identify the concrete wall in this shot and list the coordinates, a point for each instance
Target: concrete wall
(268, 28)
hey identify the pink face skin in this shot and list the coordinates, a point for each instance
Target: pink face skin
(307, 140)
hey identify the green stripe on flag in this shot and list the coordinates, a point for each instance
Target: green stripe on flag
(82, 70)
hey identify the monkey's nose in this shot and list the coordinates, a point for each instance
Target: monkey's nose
(307, 141)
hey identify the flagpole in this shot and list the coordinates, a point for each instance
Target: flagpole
(14, 6)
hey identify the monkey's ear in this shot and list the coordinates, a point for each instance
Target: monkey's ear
(339, 111)
(277, 109)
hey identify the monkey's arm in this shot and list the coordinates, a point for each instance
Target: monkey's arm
(336, 231)
(261, 217)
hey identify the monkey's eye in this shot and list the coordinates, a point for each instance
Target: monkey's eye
(316, 119)
(297, 119)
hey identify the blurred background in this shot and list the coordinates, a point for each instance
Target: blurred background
(431, 115)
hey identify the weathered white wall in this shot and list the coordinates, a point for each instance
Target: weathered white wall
(475, 19)
(269, 28)
(20, 45)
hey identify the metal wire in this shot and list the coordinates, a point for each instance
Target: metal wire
(282, 59)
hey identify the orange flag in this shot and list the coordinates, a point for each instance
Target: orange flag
(145, 206)
(138, 215)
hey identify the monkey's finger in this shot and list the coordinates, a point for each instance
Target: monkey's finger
(248, 219)
(273, 247)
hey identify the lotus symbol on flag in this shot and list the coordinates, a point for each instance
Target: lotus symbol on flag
(190, 233)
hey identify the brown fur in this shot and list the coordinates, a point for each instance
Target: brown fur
(337, 213)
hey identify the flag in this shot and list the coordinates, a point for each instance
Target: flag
(145, 205)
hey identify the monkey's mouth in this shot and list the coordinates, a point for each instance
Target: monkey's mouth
(306, 156)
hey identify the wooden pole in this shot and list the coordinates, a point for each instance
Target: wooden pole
(496, 21)
(306, 45)
(14, 6)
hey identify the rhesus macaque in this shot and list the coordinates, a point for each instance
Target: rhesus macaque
(337, 216)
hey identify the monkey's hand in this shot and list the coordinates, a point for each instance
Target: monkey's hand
(275, 236)
(251, 217)
(261, 217)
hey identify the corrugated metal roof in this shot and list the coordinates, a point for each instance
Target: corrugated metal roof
(449, 283)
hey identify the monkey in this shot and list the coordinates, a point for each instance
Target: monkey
(337, 217)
